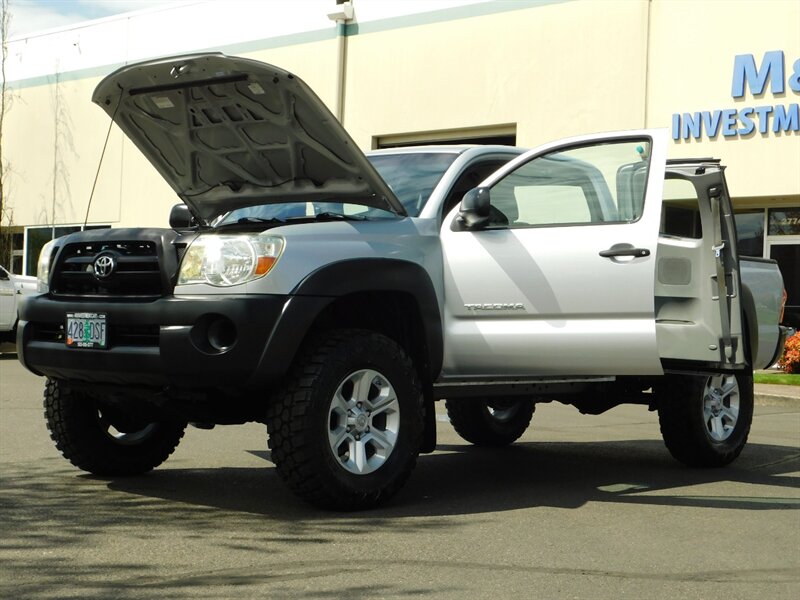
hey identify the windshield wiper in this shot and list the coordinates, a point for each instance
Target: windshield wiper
(260, 220)
(246, 220)
(332, 216)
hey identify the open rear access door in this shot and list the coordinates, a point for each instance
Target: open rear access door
(698, 286)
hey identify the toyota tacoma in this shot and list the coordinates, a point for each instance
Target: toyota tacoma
(336, 296)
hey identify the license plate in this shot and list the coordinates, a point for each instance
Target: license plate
(86, 330)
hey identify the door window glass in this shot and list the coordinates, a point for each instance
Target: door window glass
(680, 210)
(600, 183)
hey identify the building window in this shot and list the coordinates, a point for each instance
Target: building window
(784, 221)
(750, 231)
(501, 135)
(783, 243)
(775, 233)
(788, 259)
(17, 252)
(37, 237)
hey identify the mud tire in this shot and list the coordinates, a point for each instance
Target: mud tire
(493, 422)
(102, 441)
(301, 421)
(699, 429)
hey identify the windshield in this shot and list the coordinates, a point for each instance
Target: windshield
(412, 176)
(281, 212)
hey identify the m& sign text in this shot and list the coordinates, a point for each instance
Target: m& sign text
(765, 119)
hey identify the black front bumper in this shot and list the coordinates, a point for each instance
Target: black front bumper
(168, 342)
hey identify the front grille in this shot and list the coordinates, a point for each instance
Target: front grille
(133, 335)
(118, 335)
(134, 270)
(47, 332)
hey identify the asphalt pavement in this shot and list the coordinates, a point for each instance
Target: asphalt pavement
(582, 507)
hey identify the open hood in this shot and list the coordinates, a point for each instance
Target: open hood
(229, 132)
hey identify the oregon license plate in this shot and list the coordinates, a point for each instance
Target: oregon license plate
(86, 330)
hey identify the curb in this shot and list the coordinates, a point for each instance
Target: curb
(768, 394)
(762, 399)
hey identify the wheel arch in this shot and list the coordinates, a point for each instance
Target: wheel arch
(386, 294)
(393, 297)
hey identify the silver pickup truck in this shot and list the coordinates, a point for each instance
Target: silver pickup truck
(335, 296)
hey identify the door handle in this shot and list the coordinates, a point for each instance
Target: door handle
(616, 251)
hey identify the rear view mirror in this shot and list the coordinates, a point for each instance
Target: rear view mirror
(180, 217)
(474, 210)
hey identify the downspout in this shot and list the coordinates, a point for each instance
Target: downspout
(647, 64)
(343, 14)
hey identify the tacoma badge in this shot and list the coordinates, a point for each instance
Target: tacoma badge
(496, 306)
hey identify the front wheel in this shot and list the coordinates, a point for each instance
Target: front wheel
(705, 420)
(346, 430)
(101, 439)
(492, 422)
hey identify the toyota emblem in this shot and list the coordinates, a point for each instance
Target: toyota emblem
(104, 266)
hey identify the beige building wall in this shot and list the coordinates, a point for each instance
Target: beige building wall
(55, 137)
(551, 70)
(692, 50)
(545, 70)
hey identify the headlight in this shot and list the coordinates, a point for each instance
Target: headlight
(224, 260)
(43, 269)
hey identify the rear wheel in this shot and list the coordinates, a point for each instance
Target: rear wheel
(493, 422)
(102, 440)
(705, 420)
(346, 431)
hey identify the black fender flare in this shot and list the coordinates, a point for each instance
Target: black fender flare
(323, 286)
(383, 275)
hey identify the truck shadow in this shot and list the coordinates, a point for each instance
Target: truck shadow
(461, 479)
(570, 475)
(47, 505)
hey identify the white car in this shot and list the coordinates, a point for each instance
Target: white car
(12, 287)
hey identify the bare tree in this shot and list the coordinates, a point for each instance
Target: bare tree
(6, 213)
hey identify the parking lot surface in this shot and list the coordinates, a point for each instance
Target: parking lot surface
(581, 507)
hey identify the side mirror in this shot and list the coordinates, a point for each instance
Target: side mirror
(474, 211)
(180, 217)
